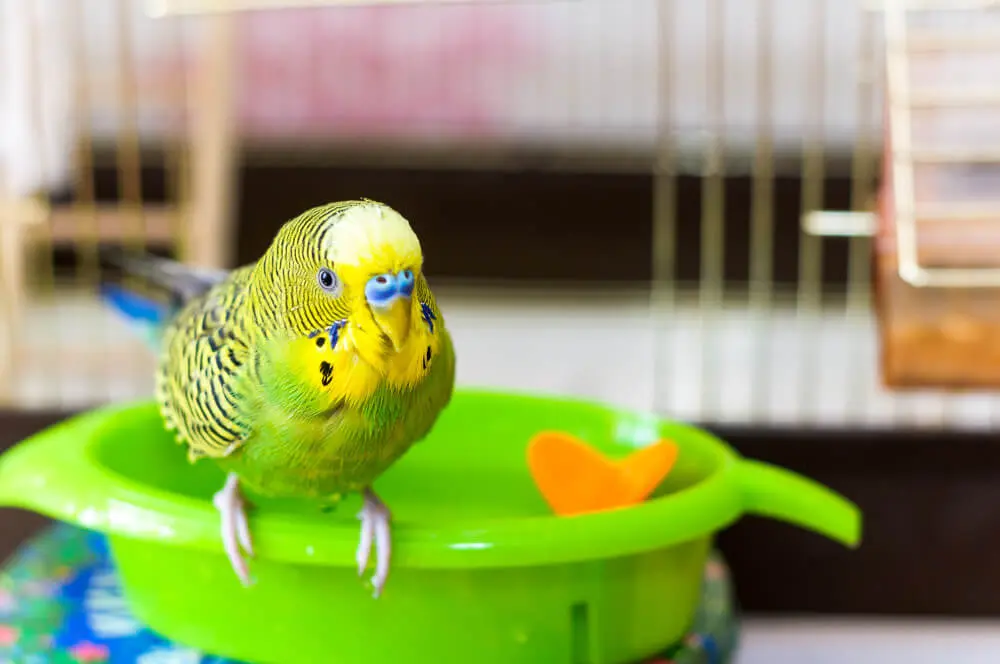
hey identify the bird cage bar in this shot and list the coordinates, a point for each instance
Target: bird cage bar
(946, 98)
(914, 156)
(129, 157)
(84, 206)
(936, 43)
(177, 155)
(209, 239)
(16, 56)
(775, 339)
(663, 296)
(761, 292)
(711, 287)
(864, 160)
(34, 230)
(809, 295)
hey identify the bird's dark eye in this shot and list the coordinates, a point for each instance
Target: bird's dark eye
(327, 279)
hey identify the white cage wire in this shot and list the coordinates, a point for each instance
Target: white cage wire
(716, 88)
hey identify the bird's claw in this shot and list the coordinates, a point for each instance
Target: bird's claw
(375, 518)
(235, 529)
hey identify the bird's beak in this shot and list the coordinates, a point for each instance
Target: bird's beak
(393, 319)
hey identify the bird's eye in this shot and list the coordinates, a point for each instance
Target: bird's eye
(327, 279)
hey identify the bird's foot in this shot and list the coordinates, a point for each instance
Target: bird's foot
(235, 529)
(375, 519)
(332, 332)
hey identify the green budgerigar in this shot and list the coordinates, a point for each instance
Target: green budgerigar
(306, 374)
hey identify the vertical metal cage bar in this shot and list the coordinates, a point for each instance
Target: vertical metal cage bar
(863, 161)
(8, 280)
(214, 143)
(177, 163)
(663, 291)
(713, 208)
(41, 233)
(84, 203)
(898, 85)
(40, 244)
(762, 218)
(897, 76)
(128, 148)
(809, 296)
(12, 50)
(8, 328)
(84, 211)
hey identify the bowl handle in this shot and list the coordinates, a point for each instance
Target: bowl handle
(778, 493)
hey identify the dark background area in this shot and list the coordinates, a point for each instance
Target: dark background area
(581, 228)
(931, 500)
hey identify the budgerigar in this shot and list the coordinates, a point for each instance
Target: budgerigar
(307, 373)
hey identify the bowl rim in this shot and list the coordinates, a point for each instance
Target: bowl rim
(80, 490)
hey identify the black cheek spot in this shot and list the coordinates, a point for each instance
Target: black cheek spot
(320, 341)
(326, 370)
(427, 357)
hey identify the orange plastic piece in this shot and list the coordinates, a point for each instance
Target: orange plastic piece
(575, 478)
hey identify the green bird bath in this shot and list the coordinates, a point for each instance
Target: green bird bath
(481, 569)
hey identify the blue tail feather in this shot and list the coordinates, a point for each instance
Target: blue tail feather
(178, 283)
(134, 307)
(145, 316)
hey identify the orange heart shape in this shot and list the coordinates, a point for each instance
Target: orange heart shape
(575, 478)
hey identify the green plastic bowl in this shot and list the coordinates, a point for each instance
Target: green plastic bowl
(481, 568)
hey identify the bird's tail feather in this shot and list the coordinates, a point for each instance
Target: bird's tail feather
(134, 306)
(181, 282)
(178, 283)
(145, 315)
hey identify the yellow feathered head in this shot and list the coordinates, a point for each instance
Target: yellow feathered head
(356, 262)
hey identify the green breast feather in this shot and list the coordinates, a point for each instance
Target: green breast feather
(324, 454)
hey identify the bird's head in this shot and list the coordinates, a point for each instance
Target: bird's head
(354, 261)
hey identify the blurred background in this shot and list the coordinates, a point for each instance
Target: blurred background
(774, 218)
